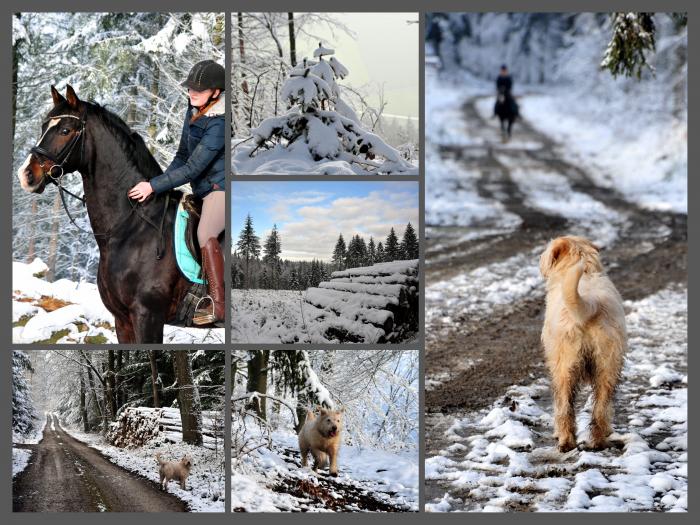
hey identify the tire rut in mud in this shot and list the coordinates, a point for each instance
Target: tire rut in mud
(66, 475)
(504, 349)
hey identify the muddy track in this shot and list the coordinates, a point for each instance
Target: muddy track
(650, 253)
(65, 475)
(336, 494)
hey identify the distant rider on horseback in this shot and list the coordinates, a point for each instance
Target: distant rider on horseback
(199, 161)
(505, 108)
(504, 86)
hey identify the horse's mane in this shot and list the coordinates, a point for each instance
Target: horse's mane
(132, 143)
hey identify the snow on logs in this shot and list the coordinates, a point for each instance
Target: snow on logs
(136, 426)
(370, 304)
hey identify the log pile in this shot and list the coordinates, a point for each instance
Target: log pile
(136, 426)
(370, 304)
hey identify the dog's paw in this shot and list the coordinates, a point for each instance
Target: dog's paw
(334, 474)
(567, 445)
(597, 445)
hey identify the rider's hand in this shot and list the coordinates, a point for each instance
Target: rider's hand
(141, 191)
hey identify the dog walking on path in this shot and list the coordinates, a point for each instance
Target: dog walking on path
(321, 436)
(174, 470)
(584, 336)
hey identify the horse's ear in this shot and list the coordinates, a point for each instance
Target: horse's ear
(72, 98)
(56, 96)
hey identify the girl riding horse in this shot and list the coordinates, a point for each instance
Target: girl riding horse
(199, 161)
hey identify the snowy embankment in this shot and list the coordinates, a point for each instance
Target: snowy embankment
(64, 311)
(373, 304)
(504, 458)
(272, 480)
(205, 487)
(20, 456)
(640, 153)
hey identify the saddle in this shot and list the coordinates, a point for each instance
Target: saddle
(189, 256)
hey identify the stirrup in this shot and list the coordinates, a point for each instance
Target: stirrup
(201, 317)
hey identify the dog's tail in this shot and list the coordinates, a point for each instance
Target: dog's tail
(580, 310)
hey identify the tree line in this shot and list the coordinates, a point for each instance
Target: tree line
(259, 265)
(360, 253)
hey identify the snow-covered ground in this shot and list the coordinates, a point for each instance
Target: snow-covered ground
(205, 484)
(284, 316)
(504, 458)
(20, 456)
(642, 154)
(272, 480)
(64, 311)
(451, 193)
(293, 160)
(270, 316)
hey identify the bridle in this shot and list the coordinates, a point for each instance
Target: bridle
(59, 159)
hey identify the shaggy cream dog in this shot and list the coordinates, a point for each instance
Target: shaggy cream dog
(177, 470)
(321, 436)
(584, 336)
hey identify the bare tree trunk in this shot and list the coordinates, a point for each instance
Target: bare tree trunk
(53, 243)
(155, 86)
(241, 53)
(119, 389)
(83, 407)
(93, 392)
(188, 399)
(292, 40)
(31, 248)
(257, 381)
(110, 400)
(154, 378)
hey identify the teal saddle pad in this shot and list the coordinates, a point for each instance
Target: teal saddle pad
(186, 261)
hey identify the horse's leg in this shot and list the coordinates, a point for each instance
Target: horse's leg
(148, 325)
(125, 330)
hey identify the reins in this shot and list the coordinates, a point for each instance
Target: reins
(58, 162)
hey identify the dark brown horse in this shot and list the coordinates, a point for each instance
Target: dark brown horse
(507, 110)
(137, 276)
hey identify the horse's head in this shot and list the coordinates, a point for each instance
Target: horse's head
(58, 149)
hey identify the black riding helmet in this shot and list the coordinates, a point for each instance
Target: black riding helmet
(206, 74)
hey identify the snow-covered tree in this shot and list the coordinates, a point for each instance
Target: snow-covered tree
(320, 125)
(23, 413)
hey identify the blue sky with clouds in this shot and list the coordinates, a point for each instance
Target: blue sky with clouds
(311, 215)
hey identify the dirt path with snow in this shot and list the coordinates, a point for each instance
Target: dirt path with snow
(480, 347)
(65, 475)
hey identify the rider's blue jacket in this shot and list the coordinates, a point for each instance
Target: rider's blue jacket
(200, 156)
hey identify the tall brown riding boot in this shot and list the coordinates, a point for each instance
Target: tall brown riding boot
(213, 310)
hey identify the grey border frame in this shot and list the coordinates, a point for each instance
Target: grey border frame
(11, 6)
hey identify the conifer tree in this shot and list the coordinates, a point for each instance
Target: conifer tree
(339, 253)
(273, 248)
(248, 246)
(409, 243)
(391, 248)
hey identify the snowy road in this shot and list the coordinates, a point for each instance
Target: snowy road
(65, 475)
(488, 423)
